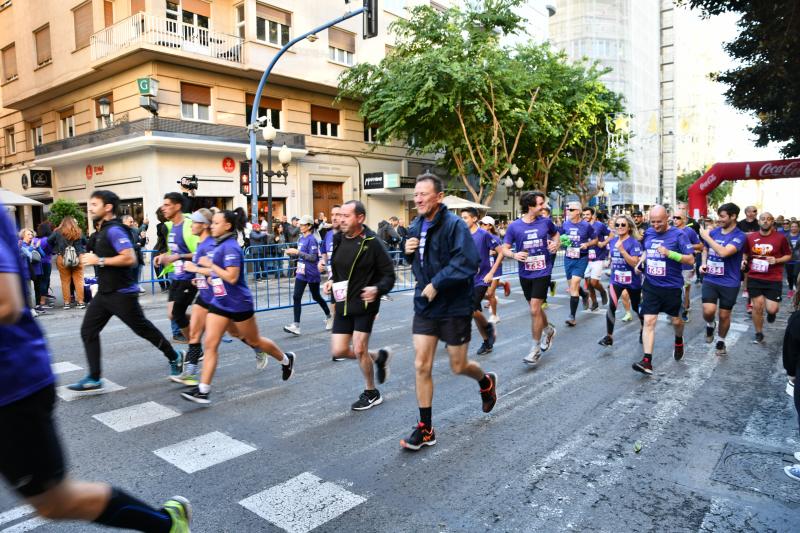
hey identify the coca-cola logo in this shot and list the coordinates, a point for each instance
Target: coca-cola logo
(785, 169)
(708, 182)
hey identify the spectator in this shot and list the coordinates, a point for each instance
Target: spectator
(639, 222)
(43, 233)
(292, 231)
(750, 223)
(258, 241)
(69, 243)
(388, 235)
(138, 241)
(277, 239)
(33, 254)
(162, 234)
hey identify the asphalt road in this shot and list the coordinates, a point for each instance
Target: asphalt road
(556, 454)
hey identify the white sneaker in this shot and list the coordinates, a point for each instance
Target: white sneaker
(790, 392)
(494, 319)
(547, 338)
(294, 329)
(262, 358)
(329, 323)
(533, 357)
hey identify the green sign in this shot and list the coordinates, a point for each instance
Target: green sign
(144, 85)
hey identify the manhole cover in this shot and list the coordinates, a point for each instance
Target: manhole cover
(756, 469)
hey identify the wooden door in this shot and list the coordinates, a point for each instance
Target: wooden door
(326, 195)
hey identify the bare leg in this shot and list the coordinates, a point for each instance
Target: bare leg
(424, 350)
(340, 346)
(759, 303)
(538, 319)
(365, 359)
(73, 500)
(248, 330)
(462, 365)
(649, 333)
(215, 327)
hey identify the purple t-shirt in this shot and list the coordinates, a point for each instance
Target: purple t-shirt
(307, 270)
(578, 234)
(231, 297)
(725, 271)
(660, 271)
(44, 244)
(792, 242)
(601, 231)
(622, 273)
(24, 358)
(177, 245)
(485, 242)
(204, 249)
(693, 239)
(120, 239)
(532, 238)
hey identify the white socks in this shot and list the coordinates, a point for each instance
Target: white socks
(285, 360)
(204, 389)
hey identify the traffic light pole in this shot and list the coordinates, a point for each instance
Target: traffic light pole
(254, 192)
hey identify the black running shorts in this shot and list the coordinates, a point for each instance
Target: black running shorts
(656, 300)
(202, 303)
(236, 316)
(31, 458)
(454, 331)
(771, 290)
(535, 288)
(478, 293)
(726, 296)
(346, 325)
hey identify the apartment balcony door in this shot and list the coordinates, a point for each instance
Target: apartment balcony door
(326, 195)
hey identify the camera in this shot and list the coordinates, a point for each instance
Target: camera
(188, 182)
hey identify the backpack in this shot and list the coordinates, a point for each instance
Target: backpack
(36, 257)
(70, 257)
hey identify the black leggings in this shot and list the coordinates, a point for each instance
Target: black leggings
(792, 270)
(614, 292)
(299, 289)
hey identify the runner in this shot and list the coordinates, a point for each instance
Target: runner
(361, 272)
(766, 252)
(232, 303)
(626, 252)
(576, 259)
(118, 292)
(721, 268)
(748, 225)
(325, 249)
(488, 224)
(307, 275)
(680, 221)
(597, 256)
(485, 243)
(793, 266)
(535, 239)
(665, 250)
(444, 261)
(182, 245)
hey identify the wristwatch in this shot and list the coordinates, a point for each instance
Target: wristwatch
(101, 262)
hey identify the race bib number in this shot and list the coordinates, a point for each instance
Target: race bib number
(200, 282)
(573, 252)
(759, 265)
(656, 267)
(340, 291)
(715, 268)
(535, 262)
(218, 287)
(623, 277)
(178, 267)
(592, 255)
(301, 268)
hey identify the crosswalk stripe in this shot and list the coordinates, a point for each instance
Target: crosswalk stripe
(202, 452)
(64, 367)
(15, 513)
(27, 525)
(135, 416)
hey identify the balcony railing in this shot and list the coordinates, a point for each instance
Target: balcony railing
(174, 35)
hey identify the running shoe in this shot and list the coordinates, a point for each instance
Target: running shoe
(180, 339)
(627, 317)
(790, 392)
(47, 305)
(489, 394)
(552, 288)
(595, 306)
(710, 333)
(791, 294)
(570, 322)
(180, 510)
(80, 305)
(485, 348)
(382, 364)
(506, 288)
(749, 308)
(604, 297)
(194, 395)
(793, 471)
(328, 323)
(677, 351)
(644, 366)
(721, 349)
(367, 401)
(533, 357)
(494, 319)
(421, 436)
(176, 365)
(288, 370)
(797, 456)
(492, 334)
(606, 341)
(187, 377)
(545, 305)
(293, 328)
(745, 294)
(759, 338)
(67, 306)
(87, 384)
(337, 358)
(585, 299)
(40, 309)
(771, 318)
(547, 337)
(262, 358)
(685, 316)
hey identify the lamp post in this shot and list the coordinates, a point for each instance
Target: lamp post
(284, 156)
(514, 187)
(105, 111)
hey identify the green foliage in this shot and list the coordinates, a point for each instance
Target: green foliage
(61, 208)
(715, 198)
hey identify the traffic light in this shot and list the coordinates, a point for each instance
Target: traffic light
(370, 18)
(244, 178)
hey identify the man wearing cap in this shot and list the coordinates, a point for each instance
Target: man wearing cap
(488, 224)
(307, 274)
(638, 220)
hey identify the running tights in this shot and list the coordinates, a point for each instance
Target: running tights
(614, 292)
(792, 270)
(299, 289)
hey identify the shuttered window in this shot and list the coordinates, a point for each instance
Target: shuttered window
(195, 102)
(108, 13)
(42, 38)
(9, 63)
(137, 6)
(272, 25)
(267, 106)
(197, 6)
(82, 17)
(341, 46)
(67, 123)
(324, 121)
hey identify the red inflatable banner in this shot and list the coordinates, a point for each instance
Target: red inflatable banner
(748, 170)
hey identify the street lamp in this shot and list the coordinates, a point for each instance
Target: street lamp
(105, 110)
(284, 156)
(514, 187)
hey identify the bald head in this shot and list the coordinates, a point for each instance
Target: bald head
(658, 218)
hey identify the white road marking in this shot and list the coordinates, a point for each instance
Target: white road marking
(737, 326)
(68, 395)
(302, 503)
(204, 451)
(15, 513)
(27, 525)
(64, 367)
(135, 416)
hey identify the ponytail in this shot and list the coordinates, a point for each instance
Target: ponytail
(237, 219)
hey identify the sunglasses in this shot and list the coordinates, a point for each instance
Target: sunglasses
(623, 225)
(570, 209)
(677, 218)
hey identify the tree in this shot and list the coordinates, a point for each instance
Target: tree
(61, 208)
(767, 80)
(715, 198)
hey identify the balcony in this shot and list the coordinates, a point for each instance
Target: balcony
(147, 31)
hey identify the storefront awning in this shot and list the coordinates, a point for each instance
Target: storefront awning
(454, 202)
(11, 198)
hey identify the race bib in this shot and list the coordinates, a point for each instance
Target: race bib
(178, 267)
(656, 267)
(301, 268)
(592, 255)
(218, 287)
(573, 252)
(759, 265)
(715, 268)
(623, 277)
(200, 281)
(535, 262)
(340, 291)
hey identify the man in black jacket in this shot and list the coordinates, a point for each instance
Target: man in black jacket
(362, 273)
(444, 260)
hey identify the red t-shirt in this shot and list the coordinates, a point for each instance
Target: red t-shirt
(759, 247)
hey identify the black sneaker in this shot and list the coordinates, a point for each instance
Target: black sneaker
(606, 341)
(677, 351)
(489, 395)
(194, 395)
(595, 306)
(367, 401)
(288, 370)
(585, 302)
(421, 436)
(485, 348)
(771, 318)
(710, 333)
(721, 349)
(492, 334)
(337, 358)
(685, 316)
(382, 364)
(570, 322)
(644, 366)
(180, 339)
(759, 338)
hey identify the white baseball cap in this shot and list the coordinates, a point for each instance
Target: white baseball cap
(487, 220)
(307, 219)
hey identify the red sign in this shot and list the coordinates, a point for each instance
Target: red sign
(88, 172)
(228, 165)
(98, 169)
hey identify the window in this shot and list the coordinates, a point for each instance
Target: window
(370, 133)
(194, 14)
(107, 122)
(82, 17)
(137, 6)
(67, 124)
(42, 39)
(240, 20)
(272, 25)
(108, 13)
(37, 134)
(266, 105)
(195, 102)
(9, 63)
(341, 46)
(11, 145)
(324, 121)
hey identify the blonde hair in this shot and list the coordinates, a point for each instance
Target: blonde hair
(633, 231)
(25, 231)
(206, 213)
(69, 229)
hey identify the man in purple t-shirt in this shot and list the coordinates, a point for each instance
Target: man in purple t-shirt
(597, 257)
(680, 220)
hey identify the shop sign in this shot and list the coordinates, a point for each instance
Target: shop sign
(94, 170)
(41, 178)
(373, 180)
(147, 86)
(228, 165)
(25, 181)
(88, 172)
